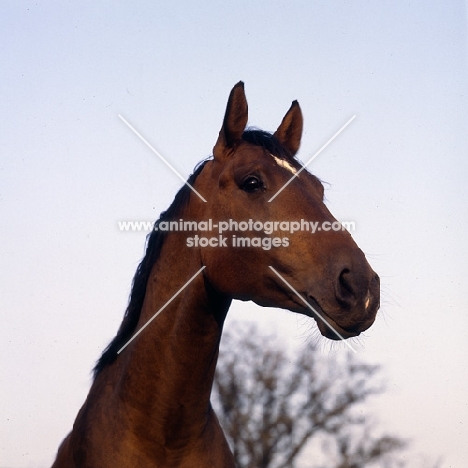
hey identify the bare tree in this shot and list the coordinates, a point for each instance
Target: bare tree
(356, 446)
(271, 405)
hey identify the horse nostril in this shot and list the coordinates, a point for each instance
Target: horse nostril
(345, 292)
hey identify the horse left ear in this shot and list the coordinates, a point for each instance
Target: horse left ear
(235, 120)
(289, 133)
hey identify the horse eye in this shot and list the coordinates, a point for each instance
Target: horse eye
(251, 184)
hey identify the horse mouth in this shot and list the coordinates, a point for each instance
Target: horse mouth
(328, 327)
(359, 320)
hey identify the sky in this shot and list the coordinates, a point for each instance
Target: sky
(70, 170)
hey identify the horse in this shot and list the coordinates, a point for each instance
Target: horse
(149, 403)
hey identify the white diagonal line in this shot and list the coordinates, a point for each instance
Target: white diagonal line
(159, 155)
(324, 320)
(160, 310)
(312, 158)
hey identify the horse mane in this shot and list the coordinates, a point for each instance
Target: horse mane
(268, 142)
(154, 242)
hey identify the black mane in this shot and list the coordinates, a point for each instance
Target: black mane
(154, 242)
(267, 141)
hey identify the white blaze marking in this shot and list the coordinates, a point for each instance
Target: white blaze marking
(283, 163)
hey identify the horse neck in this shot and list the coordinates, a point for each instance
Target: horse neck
(166, 374)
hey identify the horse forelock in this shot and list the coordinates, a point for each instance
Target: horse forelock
(270, 144)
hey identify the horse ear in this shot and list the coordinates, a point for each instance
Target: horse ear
(289, 133)
(235, 120)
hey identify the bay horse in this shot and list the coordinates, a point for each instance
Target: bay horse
(149, 405)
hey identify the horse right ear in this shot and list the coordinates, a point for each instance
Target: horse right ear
(234, 123)
(289, 133)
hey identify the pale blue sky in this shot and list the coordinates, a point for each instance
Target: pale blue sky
(70, 170)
